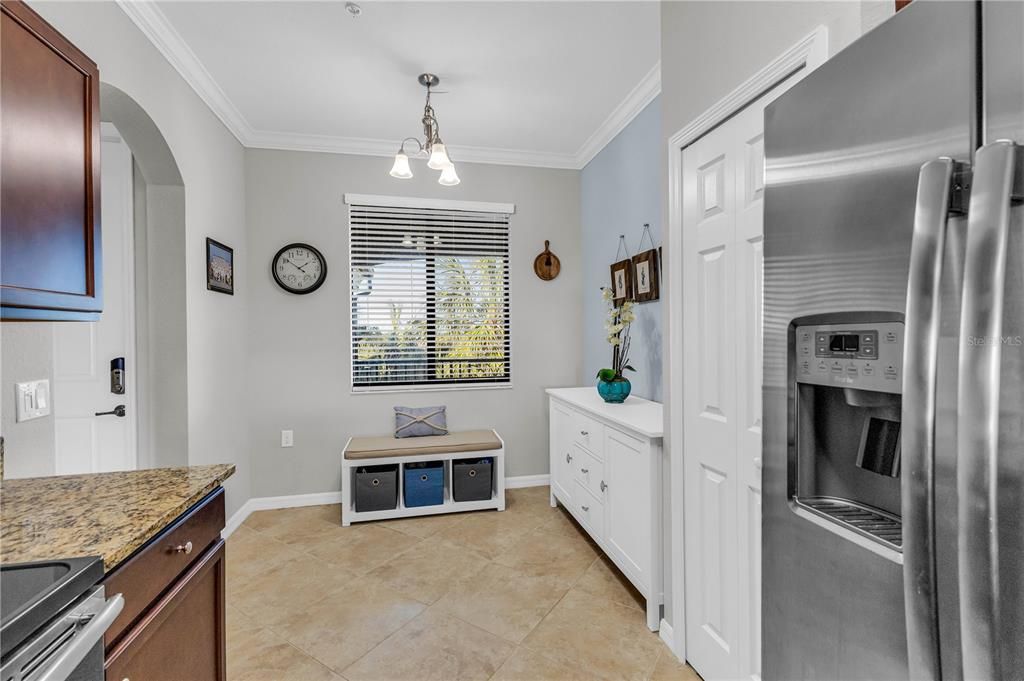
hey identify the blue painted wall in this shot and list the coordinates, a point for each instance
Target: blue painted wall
(620, 190)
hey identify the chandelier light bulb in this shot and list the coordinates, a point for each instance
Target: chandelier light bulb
(401, 169)
(438, 157)
(448, 176)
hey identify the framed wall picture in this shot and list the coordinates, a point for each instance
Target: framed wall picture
(220, 267)
(622, 281)
(645, 276)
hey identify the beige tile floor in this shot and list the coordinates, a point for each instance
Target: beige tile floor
(521, 595)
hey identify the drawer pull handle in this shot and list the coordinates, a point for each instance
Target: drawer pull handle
(586, 509)
(584, 433)
(603, 486)
(568, 457)
(584, 470)
(185, 548)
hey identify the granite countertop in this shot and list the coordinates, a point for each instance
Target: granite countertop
(99, 514)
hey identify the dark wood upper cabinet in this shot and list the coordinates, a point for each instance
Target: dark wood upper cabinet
(50, 264)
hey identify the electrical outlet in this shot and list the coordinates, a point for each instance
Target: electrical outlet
(32, 400)
(287, 438)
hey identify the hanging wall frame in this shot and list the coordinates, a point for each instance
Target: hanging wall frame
(622, 274)
(646, 275)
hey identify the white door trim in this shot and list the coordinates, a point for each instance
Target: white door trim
(799, 60)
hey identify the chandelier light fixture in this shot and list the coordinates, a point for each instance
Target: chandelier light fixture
(433, 148)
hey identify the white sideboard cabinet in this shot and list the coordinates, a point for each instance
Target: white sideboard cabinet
(606, 470)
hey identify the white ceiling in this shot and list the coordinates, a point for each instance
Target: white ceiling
(532, 83)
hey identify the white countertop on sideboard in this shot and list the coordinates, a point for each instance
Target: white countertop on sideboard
(636, 414)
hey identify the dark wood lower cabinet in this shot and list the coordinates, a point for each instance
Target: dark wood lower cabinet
(182, 635)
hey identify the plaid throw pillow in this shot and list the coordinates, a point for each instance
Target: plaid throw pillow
(420, 421)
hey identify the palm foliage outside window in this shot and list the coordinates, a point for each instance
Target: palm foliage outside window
(430, 297)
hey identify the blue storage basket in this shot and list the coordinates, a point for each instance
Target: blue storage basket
(424, 483)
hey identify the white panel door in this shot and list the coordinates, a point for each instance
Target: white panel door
(84, 442)
(710, 404)
(723, 186)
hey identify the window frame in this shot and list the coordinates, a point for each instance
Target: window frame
(506, 383)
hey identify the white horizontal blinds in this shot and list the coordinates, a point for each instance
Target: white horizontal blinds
(430, 296)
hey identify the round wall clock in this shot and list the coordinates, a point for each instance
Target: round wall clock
(299, 268)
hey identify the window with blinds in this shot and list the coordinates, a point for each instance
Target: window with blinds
(430, 296)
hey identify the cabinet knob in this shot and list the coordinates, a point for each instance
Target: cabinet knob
(568, 457)
(584, 433)
(603, 486)
(185, 548)
(584, 470)
(585, 508)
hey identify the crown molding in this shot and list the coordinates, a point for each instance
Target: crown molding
(287, 141)
(639, 97)
(155, 26)
(153, 23)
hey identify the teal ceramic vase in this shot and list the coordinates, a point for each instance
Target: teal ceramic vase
(614, 391)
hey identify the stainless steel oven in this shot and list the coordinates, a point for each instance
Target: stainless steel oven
(70, 648)
(55, 615)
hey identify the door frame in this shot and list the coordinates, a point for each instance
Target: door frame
(794, 64)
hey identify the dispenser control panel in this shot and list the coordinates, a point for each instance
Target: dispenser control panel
(868, 355)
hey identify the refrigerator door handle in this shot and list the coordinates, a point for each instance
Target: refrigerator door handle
(981, 323)
(920, 367)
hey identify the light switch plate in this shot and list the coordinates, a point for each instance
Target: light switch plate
(32, 399)
(287, 438)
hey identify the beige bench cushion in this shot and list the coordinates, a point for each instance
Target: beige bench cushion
(387, 445)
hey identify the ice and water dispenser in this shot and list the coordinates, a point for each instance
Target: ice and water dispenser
(844, 462)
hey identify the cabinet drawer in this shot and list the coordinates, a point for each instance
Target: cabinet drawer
(588, 433)
(590, 511)
(588, 471)
(182, 635)
(154, 567)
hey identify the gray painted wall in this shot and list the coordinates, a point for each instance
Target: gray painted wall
(211, 162)
(299, 345)
(26, 354)
(620, 190)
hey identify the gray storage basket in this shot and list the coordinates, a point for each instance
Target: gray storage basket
(471, 479)
(376, 488)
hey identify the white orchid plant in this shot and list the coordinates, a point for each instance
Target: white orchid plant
(617, 324)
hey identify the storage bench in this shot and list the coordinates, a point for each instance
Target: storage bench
(471, 455)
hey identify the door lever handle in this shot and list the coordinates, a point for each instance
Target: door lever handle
(118, 411)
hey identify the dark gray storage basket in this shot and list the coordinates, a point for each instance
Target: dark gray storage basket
(376, 488)
(471, 479)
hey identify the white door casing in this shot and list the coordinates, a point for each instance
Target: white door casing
(82, 351)
(748, 244)
(714, 364)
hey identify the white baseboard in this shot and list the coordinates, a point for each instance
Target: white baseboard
(527, 481)
(271, 503)
(667, 635)
(322, 498)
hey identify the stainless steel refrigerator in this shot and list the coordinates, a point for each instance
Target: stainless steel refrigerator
(893, 516)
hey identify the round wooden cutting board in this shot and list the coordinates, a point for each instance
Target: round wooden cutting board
(547, 265)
